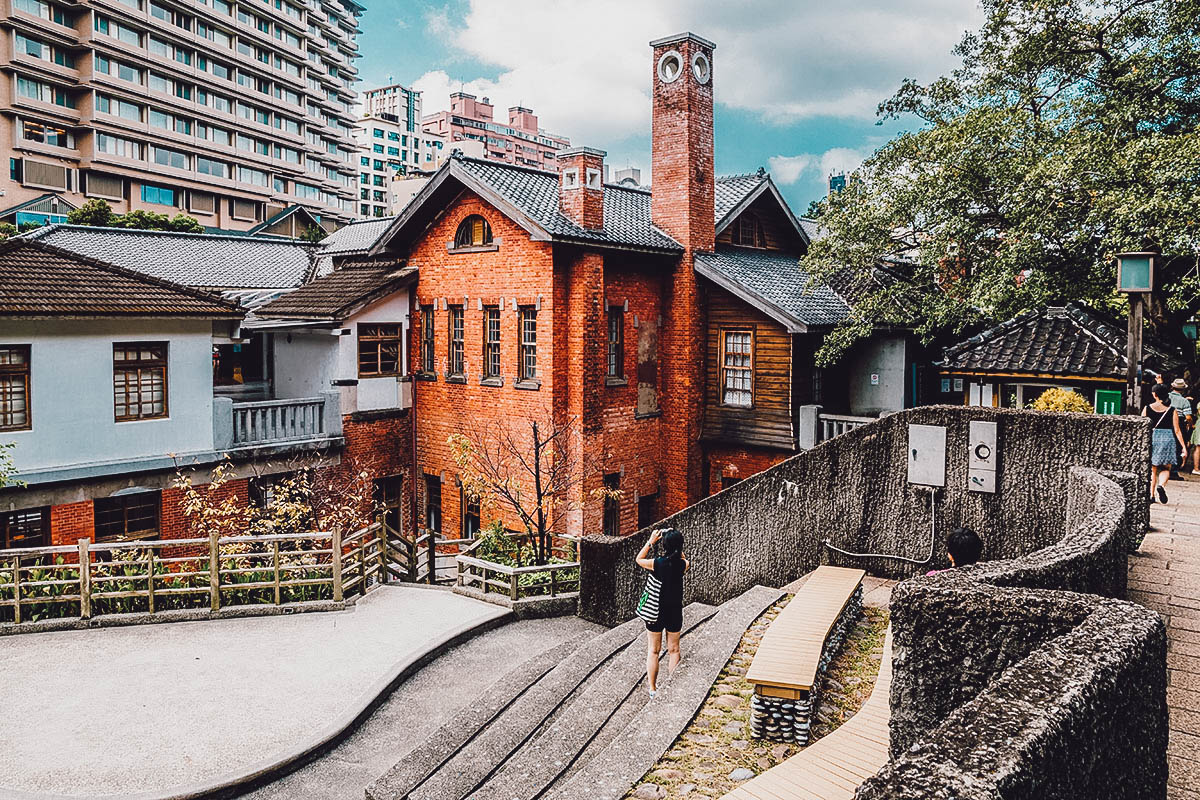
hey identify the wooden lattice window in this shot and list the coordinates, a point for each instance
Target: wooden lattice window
(28, 527)
(527, 368)
(616, 342)
(474, 231)
(748, 231)
(379, 348)
(737, 368)
(139, 380)
(130, 516)
(491, 341)
(457, 363)
(14, 387)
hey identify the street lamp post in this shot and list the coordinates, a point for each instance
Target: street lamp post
(1135, 277)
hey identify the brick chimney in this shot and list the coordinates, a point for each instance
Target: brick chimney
(581, 186)
(682, 139)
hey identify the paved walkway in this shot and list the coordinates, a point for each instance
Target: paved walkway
(1166, 577)
(122, 711)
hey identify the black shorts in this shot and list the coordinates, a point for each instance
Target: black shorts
(669, 620)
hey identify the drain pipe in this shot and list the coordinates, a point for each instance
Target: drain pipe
(932, 539)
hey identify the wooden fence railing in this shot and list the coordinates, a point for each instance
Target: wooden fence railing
(151, 576)
(515, 583)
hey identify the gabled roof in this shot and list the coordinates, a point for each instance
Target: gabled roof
(38, 280)
(735, 193)
(340, 293)
(214, 261)
(284, 214)
(355, 237)
(1070, 340)
(49, 197)
(530, 198)
(773, 282)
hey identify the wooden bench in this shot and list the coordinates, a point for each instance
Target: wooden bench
(795, 650)
(833, 767)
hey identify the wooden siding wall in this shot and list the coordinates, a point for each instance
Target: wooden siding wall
(769, 422)
(778, 233)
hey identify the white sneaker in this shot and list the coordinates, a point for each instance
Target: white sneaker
(652, 693)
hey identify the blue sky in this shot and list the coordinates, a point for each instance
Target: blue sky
(796, 81)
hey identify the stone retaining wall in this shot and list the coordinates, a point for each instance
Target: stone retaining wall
(769, 529)
(1006, 685)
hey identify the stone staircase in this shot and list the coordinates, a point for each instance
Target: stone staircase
(575, 721)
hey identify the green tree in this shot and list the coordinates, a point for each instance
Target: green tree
(1068, 134)
(314, 234)
(8, 470)
(7, 229)
(94, 212)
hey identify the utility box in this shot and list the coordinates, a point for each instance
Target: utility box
(983, 457)
(927, 455)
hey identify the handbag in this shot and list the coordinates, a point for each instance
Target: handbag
(647, 607)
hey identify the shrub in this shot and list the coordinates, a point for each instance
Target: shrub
(1062, 400)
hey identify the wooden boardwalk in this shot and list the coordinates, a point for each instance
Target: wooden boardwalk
(831, 768)
(1165, 576)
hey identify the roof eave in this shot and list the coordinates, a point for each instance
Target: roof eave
(753, 195)
(792, 323)
(600, 244)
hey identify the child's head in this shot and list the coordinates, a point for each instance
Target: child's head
(964, 546)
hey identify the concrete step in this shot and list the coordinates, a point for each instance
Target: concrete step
(639, 744)
(510, 717)
(556, 747)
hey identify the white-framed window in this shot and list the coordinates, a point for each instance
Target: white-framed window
(737, 367)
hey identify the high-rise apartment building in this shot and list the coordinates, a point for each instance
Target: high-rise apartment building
(391, 145)
(521, 141)
(227, 110)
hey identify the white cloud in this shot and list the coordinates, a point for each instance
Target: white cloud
(792, 169)
(585, 67)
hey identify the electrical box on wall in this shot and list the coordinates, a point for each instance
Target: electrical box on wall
(927, 455)
(983, 457)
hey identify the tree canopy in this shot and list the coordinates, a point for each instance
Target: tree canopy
(99, 213)
(1067, 135)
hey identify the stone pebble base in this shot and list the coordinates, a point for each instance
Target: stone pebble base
(781, 720)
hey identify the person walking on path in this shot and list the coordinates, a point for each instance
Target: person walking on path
(1167, 440)
(669, 569)
(1184, 406)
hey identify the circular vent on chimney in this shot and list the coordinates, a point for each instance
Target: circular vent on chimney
(670, 66)
(701, 68)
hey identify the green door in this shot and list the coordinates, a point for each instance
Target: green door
(1108, 401)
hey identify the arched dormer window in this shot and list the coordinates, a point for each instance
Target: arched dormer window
(473, 231)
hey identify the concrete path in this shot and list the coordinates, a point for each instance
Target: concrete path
(1166, 577)
(420, 706)
(155, 708)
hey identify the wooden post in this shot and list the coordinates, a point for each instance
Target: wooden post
(275, 562)
(150, 578)
(17, 589)
(362, 564)
(512, 586)
(383, 553)
(214, 572)
(553, 572)
(459, 581)
(337, 566)
(85, 579)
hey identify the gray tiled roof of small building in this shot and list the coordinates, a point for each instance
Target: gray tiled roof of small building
(355, 237)
(1058, 340)
(328, 297)
(535, 192)
(732, 189)
(40, 280)
(777, 278)
(215, 261)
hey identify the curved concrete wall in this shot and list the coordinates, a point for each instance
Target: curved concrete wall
(853, 490)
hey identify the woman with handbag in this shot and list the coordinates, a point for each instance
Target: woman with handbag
(661, 605)
(1166, 440)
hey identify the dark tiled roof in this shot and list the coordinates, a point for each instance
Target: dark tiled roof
(1070, 340)
(336, 295)
(534, 193)
(732, 190)
(216, 261)
(37, 280)
(773, 281)
(356, 237)
(282, 215)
